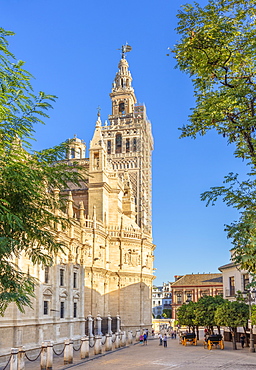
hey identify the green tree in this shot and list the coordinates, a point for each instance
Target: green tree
(167, 313)
(29, 209)
(186, 315)
(232, 315)
(217, 48)
(205, 311)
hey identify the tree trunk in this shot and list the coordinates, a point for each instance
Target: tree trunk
(218, 327)
(197, 332)
(247, 339)
(233, 331)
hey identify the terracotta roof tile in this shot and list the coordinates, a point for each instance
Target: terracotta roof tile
(199, 279)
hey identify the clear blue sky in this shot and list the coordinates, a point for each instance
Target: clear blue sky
(71, 49)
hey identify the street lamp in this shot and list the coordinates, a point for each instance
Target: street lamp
(250, 299)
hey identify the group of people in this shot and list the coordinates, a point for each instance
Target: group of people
(144, 338)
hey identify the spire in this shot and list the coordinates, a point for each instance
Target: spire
(97, 140)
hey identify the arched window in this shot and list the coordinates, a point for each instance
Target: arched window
(127, 149)
(118, 143)
(134, 145)
(72, 153)
(121, 107)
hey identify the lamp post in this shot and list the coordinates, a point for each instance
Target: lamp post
(248, 293)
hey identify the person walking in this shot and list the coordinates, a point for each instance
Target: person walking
(145, 339)
(242, 339)
(160, 339)
(165, 340)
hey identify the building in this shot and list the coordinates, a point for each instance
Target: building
(161, 299)
(234, 280)
(191, 287)
(108, 267)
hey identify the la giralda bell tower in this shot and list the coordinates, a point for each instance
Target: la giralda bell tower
(129, 142)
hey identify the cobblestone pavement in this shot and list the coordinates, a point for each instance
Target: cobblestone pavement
(175, 356)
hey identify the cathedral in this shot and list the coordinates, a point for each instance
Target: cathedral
(108, 267)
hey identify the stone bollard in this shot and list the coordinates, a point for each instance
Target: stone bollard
(117, 341)
(66, 352)
(109, 324)
(130, 338)
(43, 356)
(108, 345)
(118, 323)
(90, 325)
(14, 359)
(21, 359)
(84, 347)
(97, 345)
(71, 352)
(98, 321)
(49, 359)
(137, 338)
(123, 338)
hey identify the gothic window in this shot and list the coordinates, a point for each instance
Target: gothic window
(109, 147)
(62, 310)
(134, 145)
(46, 274)
(127, 145)
(96, 161)
(61, 277)
(121, 107)
(46, 307)
(118, 143)
(75, 309)
(75, 280)
(122, 82)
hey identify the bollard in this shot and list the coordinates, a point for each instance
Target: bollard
(43, 356)
(71, 352)
(21, 359)
(14, 359)
(84, 347)
(123, 338)
(98, 320)
(137, 338)
(97, 345)
(117, 342)
(130, 338)
(118, 323)
(66, 352)
(108, 345)
(49, 359)
(109, 324)
(90, 323)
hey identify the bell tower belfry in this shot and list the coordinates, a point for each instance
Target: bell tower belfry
(129, 142)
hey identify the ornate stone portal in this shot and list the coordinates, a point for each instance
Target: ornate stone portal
(108, 267)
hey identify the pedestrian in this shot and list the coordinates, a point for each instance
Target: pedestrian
(242, 339)
(141, 339)
(165, 340)
(174, 334)
(153, 332)
(145, 337)
(160, 339)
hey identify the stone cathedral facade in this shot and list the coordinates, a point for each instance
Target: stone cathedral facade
(108, 267)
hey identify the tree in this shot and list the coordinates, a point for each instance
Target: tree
(217, 49)
(186, 315)
(232, 315)
(167, 313)
(205, 310)
(29, 181)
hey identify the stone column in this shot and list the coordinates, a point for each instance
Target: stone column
(49, 359)
(43, 356)
(109, 324)
(84, 347)
(118, 324)
(90, 321)
(108, 345)
(21, 359)
(99, 319)
(14, 359)
(97, 345)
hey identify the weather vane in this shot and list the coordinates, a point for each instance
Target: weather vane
(125, 49)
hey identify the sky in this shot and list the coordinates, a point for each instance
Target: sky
(71, 48)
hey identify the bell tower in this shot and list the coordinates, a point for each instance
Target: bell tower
(129, 142)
